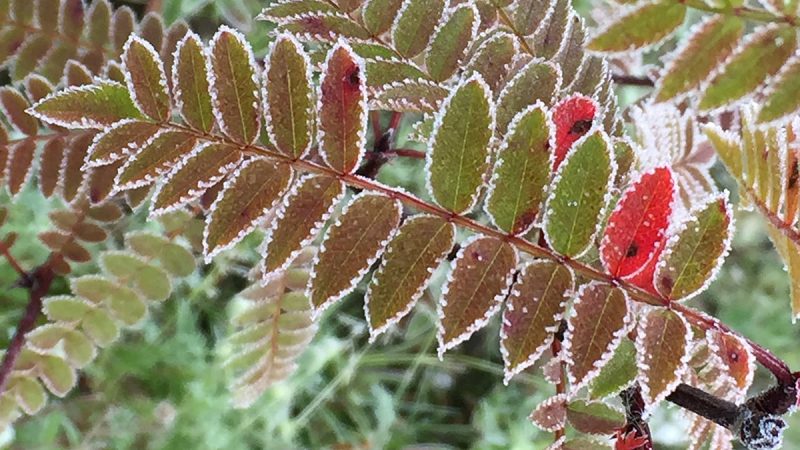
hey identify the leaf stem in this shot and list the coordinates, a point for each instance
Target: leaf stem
(745, 12)
(40, 281)
(5, 250)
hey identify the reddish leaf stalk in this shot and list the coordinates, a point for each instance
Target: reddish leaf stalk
(40, 281)
(5, 250)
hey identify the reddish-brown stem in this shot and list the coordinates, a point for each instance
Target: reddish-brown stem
(767, 359)
(632, 80)
(6, 251)
(40, 281)
(375, 120)
(394, 121)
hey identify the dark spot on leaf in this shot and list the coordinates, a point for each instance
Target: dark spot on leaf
(632, 251)
(353, 77)
(667, 283)
(794, 176)
(581, 127)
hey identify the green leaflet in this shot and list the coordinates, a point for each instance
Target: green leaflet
(693, 256)
(709, 45)
(98, 24)
(618, 373)
(64, 308)
(414, 25)
(302, 214)
(646, 25)
(551, 32)
(571, 56)
(594, 417)
(533, 311)
(760, 56)
(368, 50)
(289, 97)
(190, 81)
(351, 246)
(478, 281)
(459, 151)
(411, 257)
(582, 186)
(537, 81)
(235, 86)
(528, 14)
(450, 42)
(146, 79)
(599, 318)
(522, 172)
(378, 15)
(29, 394)
(783, 97)
(662, 345)
(94, 106)
(246, 198)
(199, 170)
(99, 325)
(342, 110)
(493, 59)
(29, 54)
(382, 71)
(56, 374)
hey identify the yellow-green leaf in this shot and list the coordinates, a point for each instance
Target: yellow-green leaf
(648, 24)
(450, 42)
(190, 80)
(414, 25)
(662, 346)
(581, 191)
(759, 56)
(146, 80)
(93, 106)
(522, 171)
(696, 251)
(710, 43)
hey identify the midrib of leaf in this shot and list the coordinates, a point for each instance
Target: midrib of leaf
(291, 110)
(414, 264)
(369, 227)
(576, 211)
(535, 315)
(486, 271)
(343, 134)
(661, 338)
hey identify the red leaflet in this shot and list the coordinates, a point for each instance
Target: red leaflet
(573, 118)
(629, 441)
(636, 228)
(644, 278)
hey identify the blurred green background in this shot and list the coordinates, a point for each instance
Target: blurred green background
(162, 386)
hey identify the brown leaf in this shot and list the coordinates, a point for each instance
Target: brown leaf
(351, 246)
(599, 319)
(476, 285)
(247, 197)
(533, 312)
(662, 354)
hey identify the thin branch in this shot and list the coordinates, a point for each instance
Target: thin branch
(41, 279)
(5, 250)
(632, 80)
